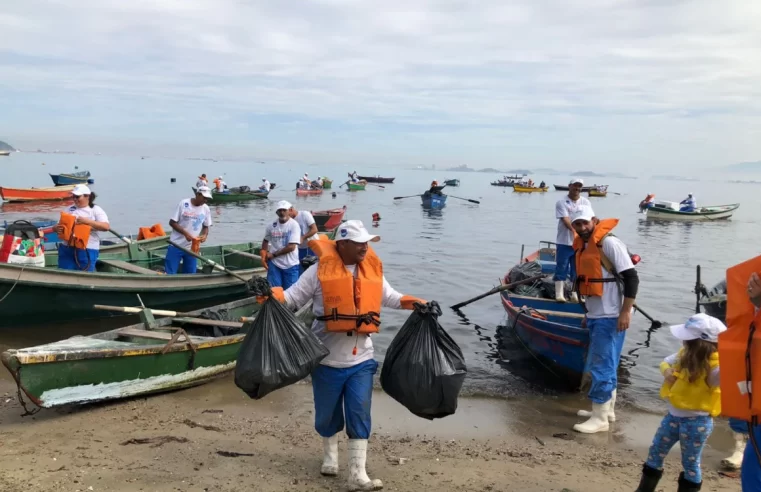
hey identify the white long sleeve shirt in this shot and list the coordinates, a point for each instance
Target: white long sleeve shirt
(341, 345)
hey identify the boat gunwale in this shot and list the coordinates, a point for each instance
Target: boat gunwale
(717, 210)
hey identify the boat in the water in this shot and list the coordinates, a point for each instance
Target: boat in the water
(670, 211)
(504, 183)
(357, 186)
(305, 192)
(433, 200)
(599, 191)
(237, 194)
(452, 182)
(51, 294)
(327, 183)
(529, 189)
(5, 153)
(550, 330)
(36, 194)
(80, 177)
(153, 356)
(583, 188)
(327, 220)
(375, 179)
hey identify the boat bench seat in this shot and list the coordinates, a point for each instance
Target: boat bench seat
(156, 335)
(129, 267)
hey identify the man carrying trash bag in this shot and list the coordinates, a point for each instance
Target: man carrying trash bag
(348, 289)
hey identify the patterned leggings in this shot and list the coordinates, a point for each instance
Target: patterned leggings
(691, 433)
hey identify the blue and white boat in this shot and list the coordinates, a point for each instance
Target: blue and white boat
(433, 201)
(81, 177)
(549, 329)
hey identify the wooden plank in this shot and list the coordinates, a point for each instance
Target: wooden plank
(156, 335)
(243, 253)
(208, 322)
(128, 267)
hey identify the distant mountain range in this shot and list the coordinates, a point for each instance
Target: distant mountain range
(745, 167)
(546, 171)
(5, 146)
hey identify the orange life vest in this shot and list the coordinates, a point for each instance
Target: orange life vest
(739, 351)
(218, 183)
(150, 232)
(350, 303)
(589, 260)
(74, 235)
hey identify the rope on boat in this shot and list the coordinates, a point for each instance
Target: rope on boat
(21, 397)
(14, 283)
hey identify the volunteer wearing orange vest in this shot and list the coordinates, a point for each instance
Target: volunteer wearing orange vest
(609, 282)
(348, 289)
(84, 219)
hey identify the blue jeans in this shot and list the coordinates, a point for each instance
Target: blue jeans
(751, 469)
(605, 346)
(173, 258)
(564, 261)
(346, 392)
(282, 277)
(70, 258)
(739, 426)
(691, 433)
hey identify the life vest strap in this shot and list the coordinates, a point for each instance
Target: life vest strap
(370, 318)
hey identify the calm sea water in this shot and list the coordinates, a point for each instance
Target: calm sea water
(448, 255)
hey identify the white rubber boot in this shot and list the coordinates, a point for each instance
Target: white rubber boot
(611, 413)
(598, 422)
(574, 296)
(358, 479)
(735, 461)
(330, 456)
(560, 291)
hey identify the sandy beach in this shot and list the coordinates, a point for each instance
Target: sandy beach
(214, 438)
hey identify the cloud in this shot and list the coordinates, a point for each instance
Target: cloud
(596, 72)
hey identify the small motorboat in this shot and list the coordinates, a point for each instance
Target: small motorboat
(81, 177)
(375, 179)
(530, 189)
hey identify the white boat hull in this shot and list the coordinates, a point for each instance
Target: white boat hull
(705, 214)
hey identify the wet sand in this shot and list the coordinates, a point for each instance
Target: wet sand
(489, 445)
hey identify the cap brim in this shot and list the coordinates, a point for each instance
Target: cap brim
(205, 194)
(369, 238)
(582, 218)
(682, 333)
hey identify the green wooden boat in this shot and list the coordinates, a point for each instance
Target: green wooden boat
(327, 183)
(357, 186)
(37, 295)
(135, 360)
(236, 197)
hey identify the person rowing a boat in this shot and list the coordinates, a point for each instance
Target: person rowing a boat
(279, 248)
(608, 280)
(79, 228)
(688, 204)
(265, 185)
(343, 383)
(190, 227)
(564, 259)
(354, 177)
(435, 189)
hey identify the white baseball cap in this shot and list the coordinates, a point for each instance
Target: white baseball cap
(283, 205)
(205, 191)
(576, 180)
(582, 213)
(264, 179)
(699, 326)
(80, 190)
(354, 230)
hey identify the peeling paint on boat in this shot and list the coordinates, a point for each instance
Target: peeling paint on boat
(125, 389)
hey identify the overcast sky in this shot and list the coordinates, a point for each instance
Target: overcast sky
(525, 83)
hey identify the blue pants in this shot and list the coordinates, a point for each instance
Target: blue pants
(70, 258)
(173, 258)
(340, 393)
(739, 426)
(564, 261)
(691, 433)
(751, 469)
(605, 346)
(282, 277)
(303, 253)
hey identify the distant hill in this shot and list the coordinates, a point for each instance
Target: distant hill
(5, 146)
(669, 177)
(745, 167)
(461, 169)
(588, 174)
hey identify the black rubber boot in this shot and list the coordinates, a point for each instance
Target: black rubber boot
(687, 486)
(649, 480)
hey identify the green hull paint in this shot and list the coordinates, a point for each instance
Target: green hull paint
(327, 184)
(236, 197)
(356, 187)
(126, 366)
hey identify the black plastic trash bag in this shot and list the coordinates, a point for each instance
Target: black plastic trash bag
(424, 368)
(525, 270)
(278, 349)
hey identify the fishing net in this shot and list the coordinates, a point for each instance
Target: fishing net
(424, 368)
(278, 350)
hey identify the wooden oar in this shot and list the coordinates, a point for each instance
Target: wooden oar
(373, 184)
(123, 238)
(135, 310)
(466, 199)
(655, 322)
(499, 289)
(212, 263)
(400, 197)
(344, 184)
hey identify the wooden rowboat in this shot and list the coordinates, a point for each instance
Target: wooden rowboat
(703, 214)
(597, 193)
(327, 220)
(51, 294)
(231, 196)
(80, 177)
(35, 194)
(565, 188)
(532, 189)
(135, 360)
(433, 201)
(313, 191)
(452, 182)
(327, 183)
(357, 186)
(375, 179)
